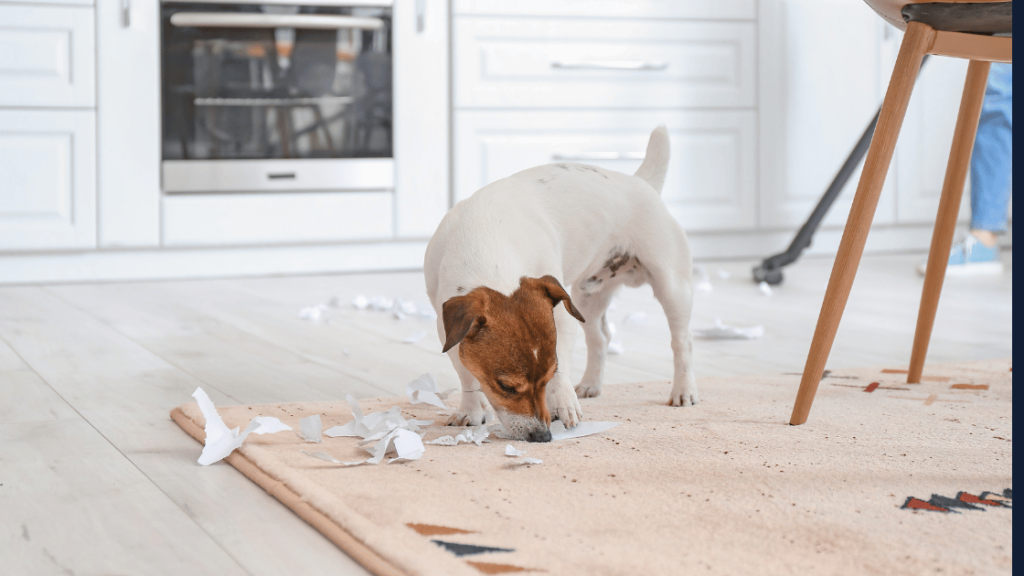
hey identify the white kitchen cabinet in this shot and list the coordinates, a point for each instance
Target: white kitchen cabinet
(820, 87)
(47, 179)
(128, 122)
(922, 151)
(587, 63)
(710, 183)
(47, 56)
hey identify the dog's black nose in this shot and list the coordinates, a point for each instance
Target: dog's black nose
(540, 436)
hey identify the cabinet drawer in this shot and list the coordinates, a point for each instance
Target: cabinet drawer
(711, 178)
(47, 56)
(232, 219)
(563, 63)
(47, 179)
(719, 9)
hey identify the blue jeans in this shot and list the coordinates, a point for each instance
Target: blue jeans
(991, 161)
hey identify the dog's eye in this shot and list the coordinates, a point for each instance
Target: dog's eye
(506, 389)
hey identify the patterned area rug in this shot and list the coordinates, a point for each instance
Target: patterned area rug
(885, 478)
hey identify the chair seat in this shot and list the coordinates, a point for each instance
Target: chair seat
(891, 10)
(983, 18)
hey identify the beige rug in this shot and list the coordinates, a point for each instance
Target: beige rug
(885, 478)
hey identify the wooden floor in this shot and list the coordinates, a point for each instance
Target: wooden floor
(96, 479)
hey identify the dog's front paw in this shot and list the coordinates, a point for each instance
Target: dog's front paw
(683, 396)
(472, 411)
(564, 406)
(585, 390)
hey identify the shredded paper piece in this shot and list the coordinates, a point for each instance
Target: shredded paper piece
(525, 461)
(380, 431)
(310, 428)
(614, 346)
(511, 450)
(424, 390)
(638, 317)
(220, 441)
(313, 313)
(401, 309)
(701, 282)
(724, 332)
(765, 288)
(476, 435)
(558, 431)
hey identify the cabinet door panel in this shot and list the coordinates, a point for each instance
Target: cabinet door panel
(922, 152)
(711, 178)
(578, 63)
(48, 188)
(47, 56)
(820, 87)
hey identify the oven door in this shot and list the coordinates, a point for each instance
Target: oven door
(276, 97)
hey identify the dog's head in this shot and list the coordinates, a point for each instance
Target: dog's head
(508, 343)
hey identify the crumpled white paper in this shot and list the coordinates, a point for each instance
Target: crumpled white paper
(477, 435)
(424, 390)
(313, 313)
(765, 288)
(511, 451)
(701, 281)
(220, 441)
(401, 309)
(310, 428)
(558, 431)
(381, 430)
(724, 332)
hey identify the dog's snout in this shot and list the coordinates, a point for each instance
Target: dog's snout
(539, 435)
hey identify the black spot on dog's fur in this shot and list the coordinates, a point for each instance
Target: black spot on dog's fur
(617, 261)
(460, 289)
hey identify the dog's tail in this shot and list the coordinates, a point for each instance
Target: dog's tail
(656, 160)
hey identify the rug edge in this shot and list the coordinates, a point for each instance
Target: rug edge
(354, 548)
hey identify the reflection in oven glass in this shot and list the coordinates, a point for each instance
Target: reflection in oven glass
(244, 81)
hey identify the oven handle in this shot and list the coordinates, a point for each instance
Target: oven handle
(247, 20)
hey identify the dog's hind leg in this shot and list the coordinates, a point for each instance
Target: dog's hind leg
(673, 288)
(593, 306)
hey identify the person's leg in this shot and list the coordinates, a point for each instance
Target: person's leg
(991, 160)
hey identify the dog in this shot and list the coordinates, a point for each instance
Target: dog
(496, 273)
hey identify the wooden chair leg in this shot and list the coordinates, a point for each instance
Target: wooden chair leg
(916, 42)
(949, 208)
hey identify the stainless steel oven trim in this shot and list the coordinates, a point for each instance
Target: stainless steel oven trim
(342, 3)
(249, 20)
(324, 175)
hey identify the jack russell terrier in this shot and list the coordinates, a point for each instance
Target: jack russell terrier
(495, 271)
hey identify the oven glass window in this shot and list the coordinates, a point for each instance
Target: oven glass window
(275, 81)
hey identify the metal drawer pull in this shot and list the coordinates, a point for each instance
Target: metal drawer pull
(126, 13)
(250, 20)
(608, 65)
(281, 176)
(592, 156)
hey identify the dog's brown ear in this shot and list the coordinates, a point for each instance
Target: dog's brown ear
(550, 286)
(463, 316)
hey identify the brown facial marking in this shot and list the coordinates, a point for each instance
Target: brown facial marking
(508, 342)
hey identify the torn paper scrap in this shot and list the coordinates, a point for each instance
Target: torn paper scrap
(220, 441)
(511, 450)
(414, 337)
(765, 288)
(558, 431)
(724, 332)
(424, 390)
(525, 461)
(380, 432)
(615, 347)
(476, 435)
(638, 317)
(360, 302)
(313, 313)
(701, 282)
(310, 428)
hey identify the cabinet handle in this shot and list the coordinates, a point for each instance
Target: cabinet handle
(421, 12)
(126, 13)
(592, 156)
(281, 176)
(608, 65)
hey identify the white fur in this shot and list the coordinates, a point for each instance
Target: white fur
(567, 220)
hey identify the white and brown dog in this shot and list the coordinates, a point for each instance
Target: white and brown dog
(495, 271)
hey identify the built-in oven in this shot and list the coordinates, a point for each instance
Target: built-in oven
(280, 96)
